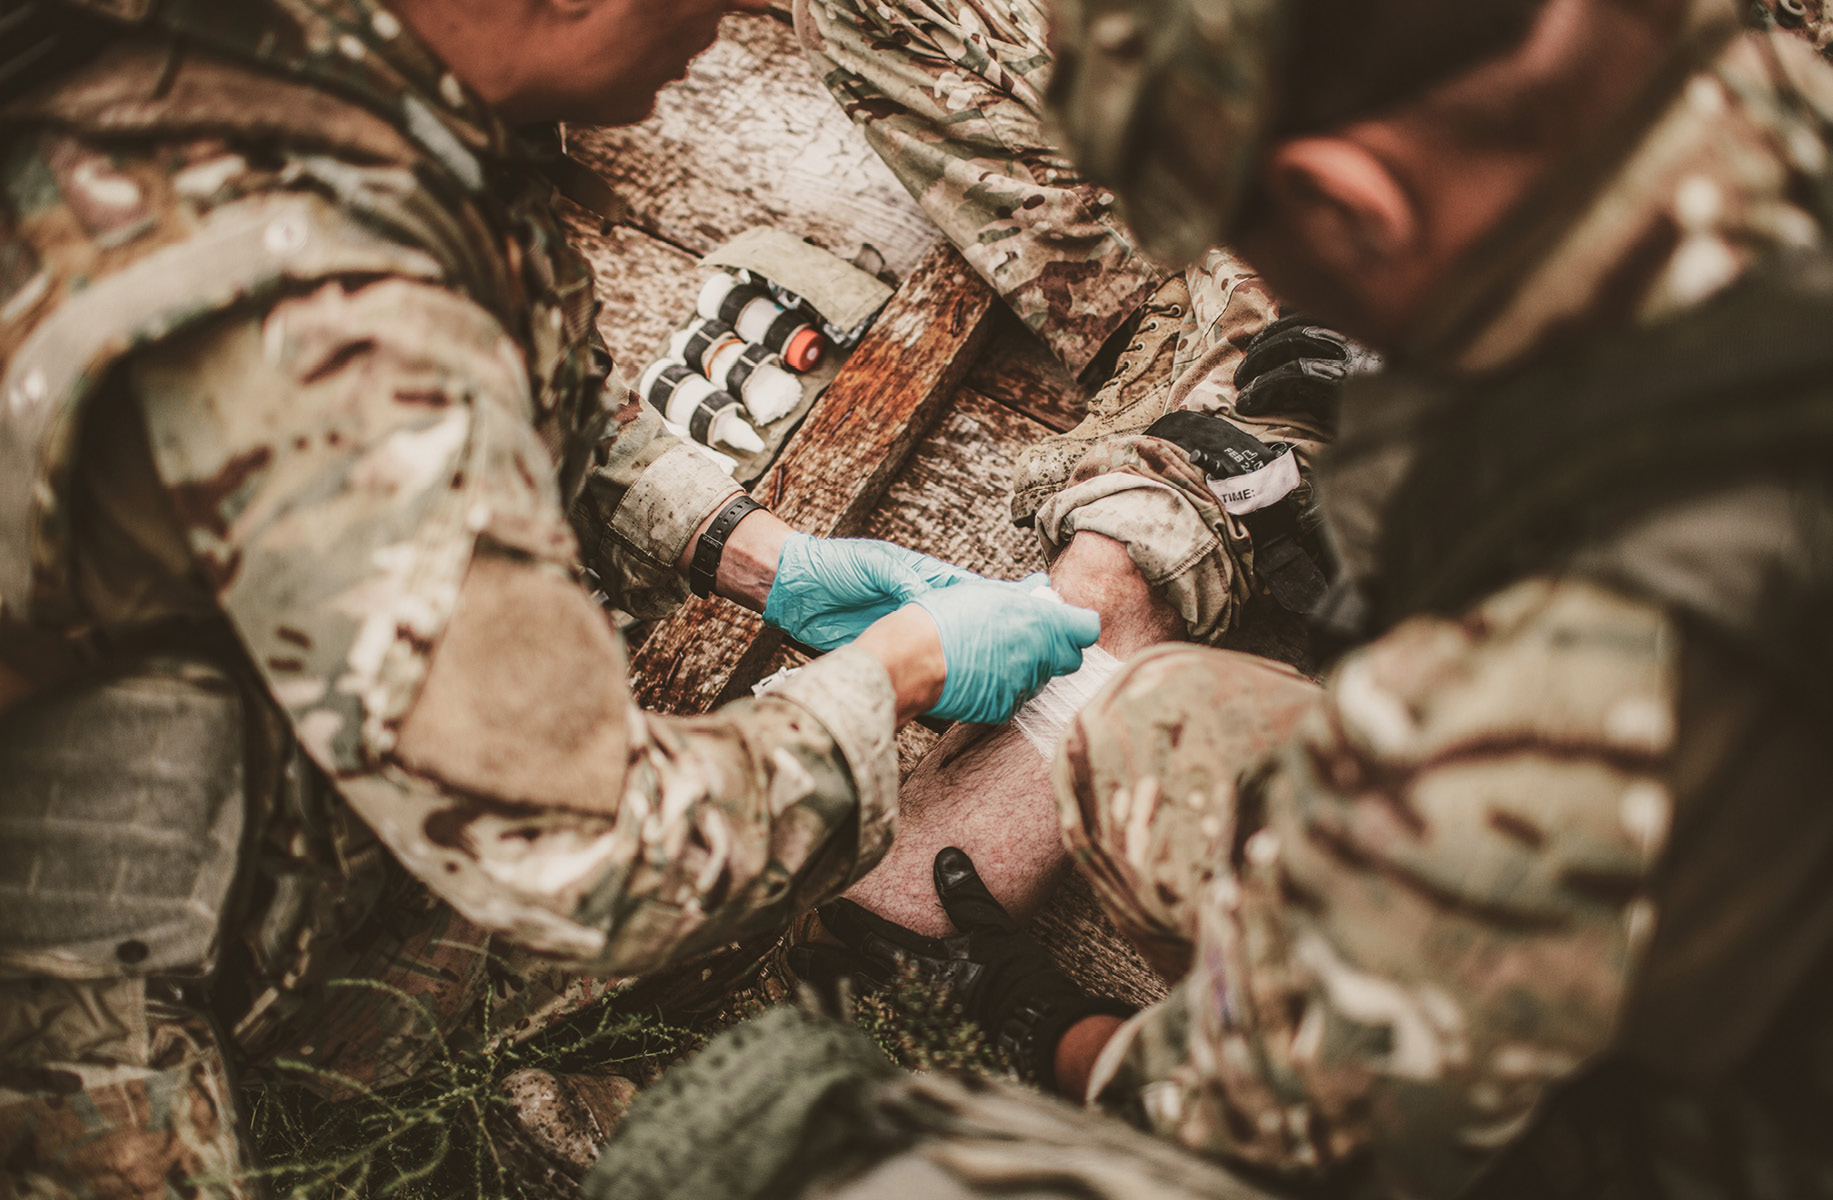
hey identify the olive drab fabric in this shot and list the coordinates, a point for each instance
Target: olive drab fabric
(792, 1105)
(125, 814)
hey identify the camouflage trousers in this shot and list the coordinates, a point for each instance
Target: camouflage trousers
(950, 94)
(1148, 778)
(126, 1089)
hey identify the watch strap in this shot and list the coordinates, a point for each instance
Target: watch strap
(703, 571)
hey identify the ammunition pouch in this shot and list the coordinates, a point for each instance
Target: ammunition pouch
(122, 813)
(788, 1106)
(751, 1117)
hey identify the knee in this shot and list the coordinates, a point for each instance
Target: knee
(1177, 729)
(110, 1098)
(1096, 572)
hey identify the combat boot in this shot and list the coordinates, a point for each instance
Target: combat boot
(553, 1126)
(1135, 396)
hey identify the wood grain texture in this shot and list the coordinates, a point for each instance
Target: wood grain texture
(953, 498)
(1091, 951)
(892, 388)
(833, 472)
(1019, 372)
(752, 137)
(646, 287)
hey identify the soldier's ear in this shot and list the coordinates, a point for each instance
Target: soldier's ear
(1353, 213)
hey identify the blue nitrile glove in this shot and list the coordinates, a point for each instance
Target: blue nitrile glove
(828, 590)
(1002, 642)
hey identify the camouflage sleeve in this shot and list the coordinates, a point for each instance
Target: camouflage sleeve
(358, 477)
(1107, 477)
(1438, 895)
(642, 503)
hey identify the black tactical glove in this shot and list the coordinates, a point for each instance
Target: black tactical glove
(1000, 976)
(1296, 368)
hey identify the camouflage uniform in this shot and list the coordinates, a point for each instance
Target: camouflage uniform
(1537, 885)
(949, 92)
(305, 433)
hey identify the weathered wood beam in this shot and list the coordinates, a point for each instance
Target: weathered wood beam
(833, 471)
(1018, 371)
(752, 137)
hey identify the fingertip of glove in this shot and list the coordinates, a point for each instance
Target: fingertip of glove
(1084, 626)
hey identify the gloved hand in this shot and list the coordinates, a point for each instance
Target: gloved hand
(1000, 976)
(828, 590)
(1002, 642)
(1297, 368)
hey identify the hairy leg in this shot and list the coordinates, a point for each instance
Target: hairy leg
(988, 790)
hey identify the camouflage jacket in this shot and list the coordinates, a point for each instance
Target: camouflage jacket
(295, 361)
(1546, 873)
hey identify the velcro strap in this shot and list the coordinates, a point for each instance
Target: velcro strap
(787, 324)
(1252, 480)
(737, 300)
(747, 362)
(700, 424)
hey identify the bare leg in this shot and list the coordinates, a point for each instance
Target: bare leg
(988, 790)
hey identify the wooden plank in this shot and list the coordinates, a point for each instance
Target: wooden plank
(647, 288)
(953, 499)
(752, 137)
(1019, 371)
(833, 472)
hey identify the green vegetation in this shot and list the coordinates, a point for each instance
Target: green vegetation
(438, 1137)
(920, 1029)
(447, 1136)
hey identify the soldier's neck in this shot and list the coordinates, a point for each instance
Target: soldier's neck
(1707, 192)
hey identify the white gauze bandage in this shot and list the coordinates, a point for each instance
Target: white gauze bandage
(1046, 718)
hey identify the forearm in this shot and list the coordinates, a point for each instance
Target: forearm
(987, 791)
(1394, 957)
(641, 514)
(699, 831)
(793, 796)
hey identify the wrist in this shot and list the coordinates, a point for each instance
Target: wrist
(908, 644)
(748, 561)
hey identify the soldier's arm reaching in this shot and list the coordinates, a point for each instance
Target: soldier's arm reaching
(1434, 900)
(358, 473)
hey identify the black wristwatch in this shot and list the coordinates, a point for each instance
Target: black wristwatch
(703, 571)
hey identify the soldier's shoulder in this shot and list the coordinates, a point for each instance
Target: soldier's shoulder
(113, 246)
(1558, 660)
(140, 153)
